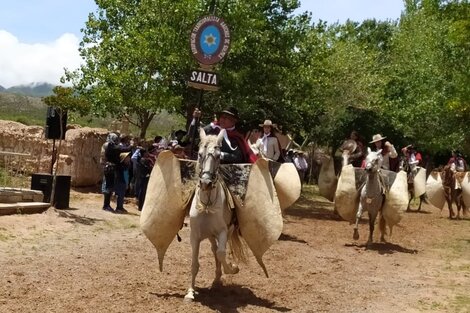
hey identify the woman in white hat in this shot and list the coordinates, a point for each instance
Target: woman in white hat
(268, 146)
(389, 153)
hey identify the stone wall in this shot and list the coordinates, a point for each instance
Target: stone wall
(79, 153)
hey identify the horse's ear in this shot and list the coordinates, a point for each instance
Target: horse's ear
(368, 150)
(379, 151)
(202, 134)
(220, 137)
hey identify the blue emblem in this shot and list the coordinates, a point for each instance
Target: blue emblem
(210, 40)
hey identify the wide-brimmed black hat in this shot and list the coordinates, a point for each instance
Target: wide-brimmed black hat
(229, 111)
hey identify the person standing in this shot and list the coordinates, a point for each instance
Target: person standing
(112, 151)
(107, 186)
(301, 165)
(268, 145)
(122, 180)
(389, 154)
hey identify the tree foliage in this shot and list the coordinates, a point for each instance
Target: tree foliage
(406, 79)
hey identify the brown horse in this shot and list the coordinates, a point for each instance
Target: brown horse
(452, 194)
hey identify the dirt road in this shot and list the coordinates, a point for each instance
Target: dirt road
(88, 260)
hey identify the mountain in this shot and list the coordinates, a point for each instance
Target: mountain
(33, 89)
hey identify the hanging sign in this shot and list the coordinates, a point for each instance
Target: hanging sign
(210, 40)
(205, 80)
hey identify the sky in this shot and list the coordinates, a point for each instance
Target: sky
(39, 38)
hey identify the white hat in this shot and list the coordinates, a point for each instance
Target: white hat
(377, 137)
(267, 123)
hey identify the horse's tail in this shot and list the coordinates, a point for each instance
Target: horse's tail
(237, 246)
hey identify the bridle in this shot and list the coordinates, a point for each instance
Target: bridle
(211, 175)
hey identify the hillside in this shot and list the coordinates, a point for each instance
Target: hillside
(33, 89)
(32, 111)
(21, 108)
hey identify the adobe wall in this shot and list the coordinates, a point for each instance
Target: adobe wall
(79, 154)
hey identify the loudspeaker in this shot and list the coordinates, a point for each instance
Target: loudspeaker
(52, 130)
(43, 182)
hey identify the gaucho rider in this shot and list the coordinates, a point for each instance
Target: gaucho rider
(234, 147)
(389, 154)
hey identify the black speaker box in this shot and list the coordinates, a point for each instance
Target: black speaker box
(52, 130)
(43, 182)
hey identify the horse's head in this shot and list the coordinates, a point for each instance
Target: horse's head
(209, 158)
(373, 160)
(348, 147)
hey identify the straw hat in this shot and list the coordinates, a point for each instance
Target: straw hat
(377, 137)
(267, 123)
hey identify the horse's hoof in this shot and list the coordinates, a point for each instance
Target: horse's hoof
(189, 297)
(235, 269)
(356, 235)
(216, 284)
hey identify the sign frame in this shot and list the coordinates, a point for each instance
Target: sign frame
(203, 79)
(210, 40)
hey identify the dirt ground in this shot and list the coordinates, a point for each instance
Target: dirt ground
(88, 260)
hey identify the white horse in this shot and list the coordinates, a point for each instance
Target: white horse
(210, 216)
(372, 196)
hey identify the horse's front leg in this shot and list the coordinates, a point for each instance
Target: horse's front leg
(372, 218)
(459, 204)
(195, 243)
(383, 228)
(218, 264)
(221, 253)
(358, 217)
(450, 199)
(421, 200)
(410, 196)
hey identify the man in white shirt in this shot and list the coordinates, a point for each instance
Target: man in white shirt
(301, 164)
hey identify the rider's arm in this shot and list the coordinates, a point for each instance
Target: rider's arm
(231, 156)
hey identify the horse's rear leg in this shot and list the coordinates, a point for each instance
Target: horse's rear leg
(221, 254)
(194, 269)
(218, 264)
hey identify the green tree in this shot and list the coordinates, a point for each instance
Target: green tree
(136, 57)
(424, 79)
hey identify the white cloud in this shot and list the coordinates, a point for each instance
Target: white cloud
(22, 63)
